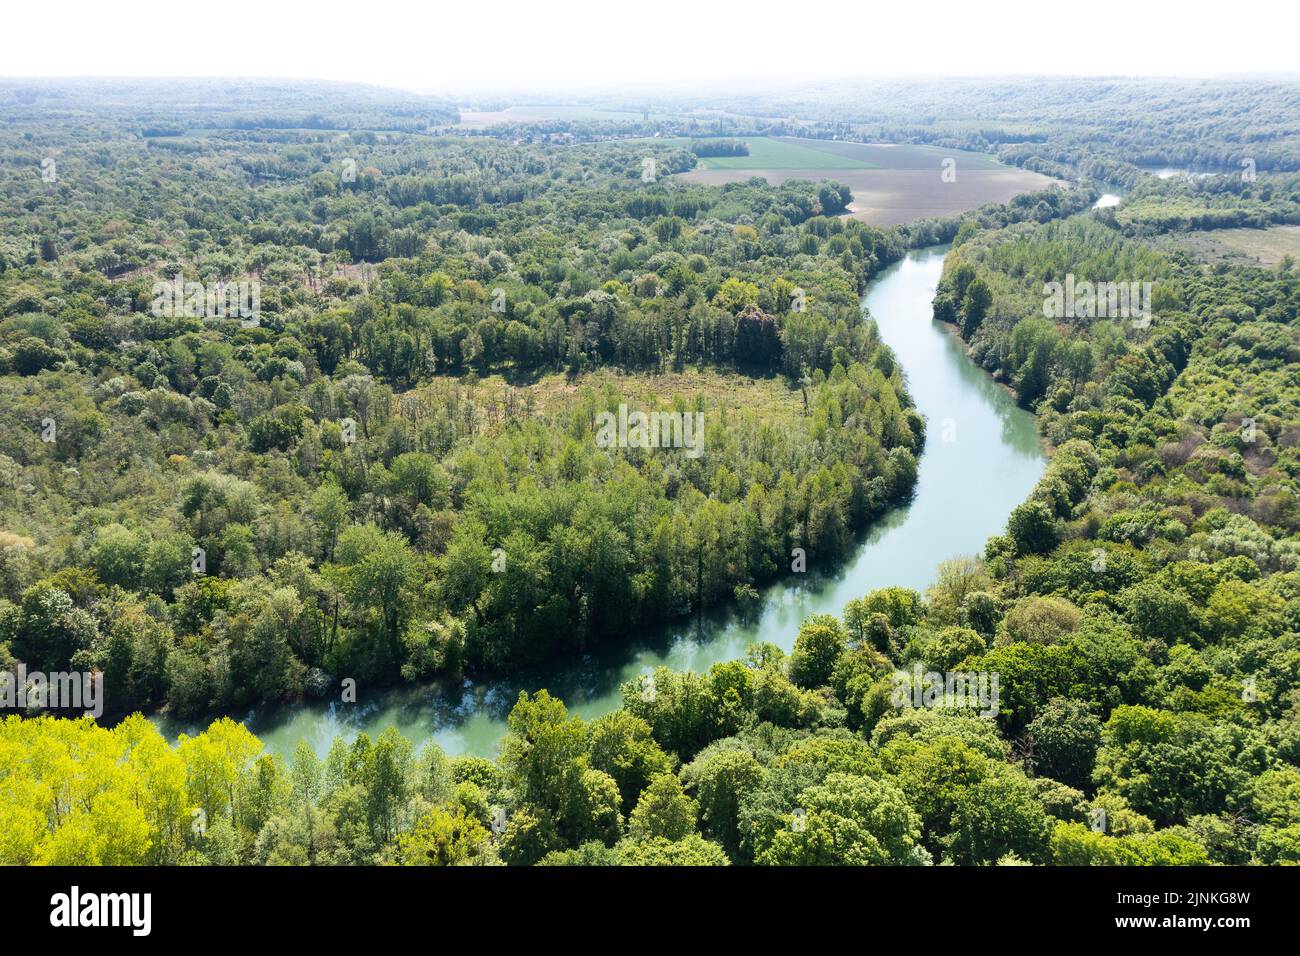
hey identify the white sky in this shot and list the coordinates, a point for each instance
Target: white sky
(544, 45)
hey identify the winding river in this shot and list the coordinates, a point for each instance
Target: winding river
(981, 459)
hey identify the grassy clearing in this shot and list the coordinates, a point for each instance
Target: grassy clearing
(1266, 247)
(770, 399)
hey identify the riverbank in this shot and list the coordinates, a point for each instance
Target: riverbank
(982, 457)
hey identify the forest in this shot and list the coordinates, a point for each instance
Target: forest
(391, 473)
(456, 307)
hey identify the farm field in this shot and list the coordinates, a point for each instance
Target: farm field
(785, 153)
(891, 197)
(898, 156)
(481, 119)
(891, 184)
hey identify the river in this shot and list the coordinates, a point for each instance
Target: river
(982, 457)
(1107, 200)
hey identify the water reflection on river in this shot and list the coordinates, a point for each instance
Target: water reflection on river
(982, 457)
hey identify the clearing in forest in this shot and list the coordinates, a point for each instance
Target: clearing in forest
(1266, 247)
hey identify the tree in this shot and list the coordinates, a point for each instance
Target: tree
(32, 356)
(1172, 766)
(217, 764)
(329, 509)
(133, 656)
(1075, 358)
(385, 772)
(1040, 620)
(818, 646)
(902, 607)
(592, 812)
(443, 838)
(117, 556)
(1065, 738)
(1032, 528)
(529, 836)
(678, 707)
(722, 781)
(957, 579)
(622, 746)
(46, 630)
(1033, 347)
(589, 854)
(999, 815)
(758, 340)
(1074, 844)
(541, 753)
(952, 646)
(938, 777)
(664, 810)
(974, 306)
(735, 294)
(847, 821)
(380, 575)
(694, 850)
(1160, 613)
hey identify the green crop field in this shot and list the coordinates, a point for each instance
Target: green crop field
(479, 119)
(892, 156)
(768, 153)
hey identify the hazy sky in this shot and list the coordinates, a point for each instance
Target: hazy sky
(471, 45)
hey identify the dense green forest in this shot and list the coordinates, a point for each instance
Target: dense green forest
(393, 473)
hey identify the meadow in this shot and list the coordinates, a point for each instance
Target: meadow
(1265, 247)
